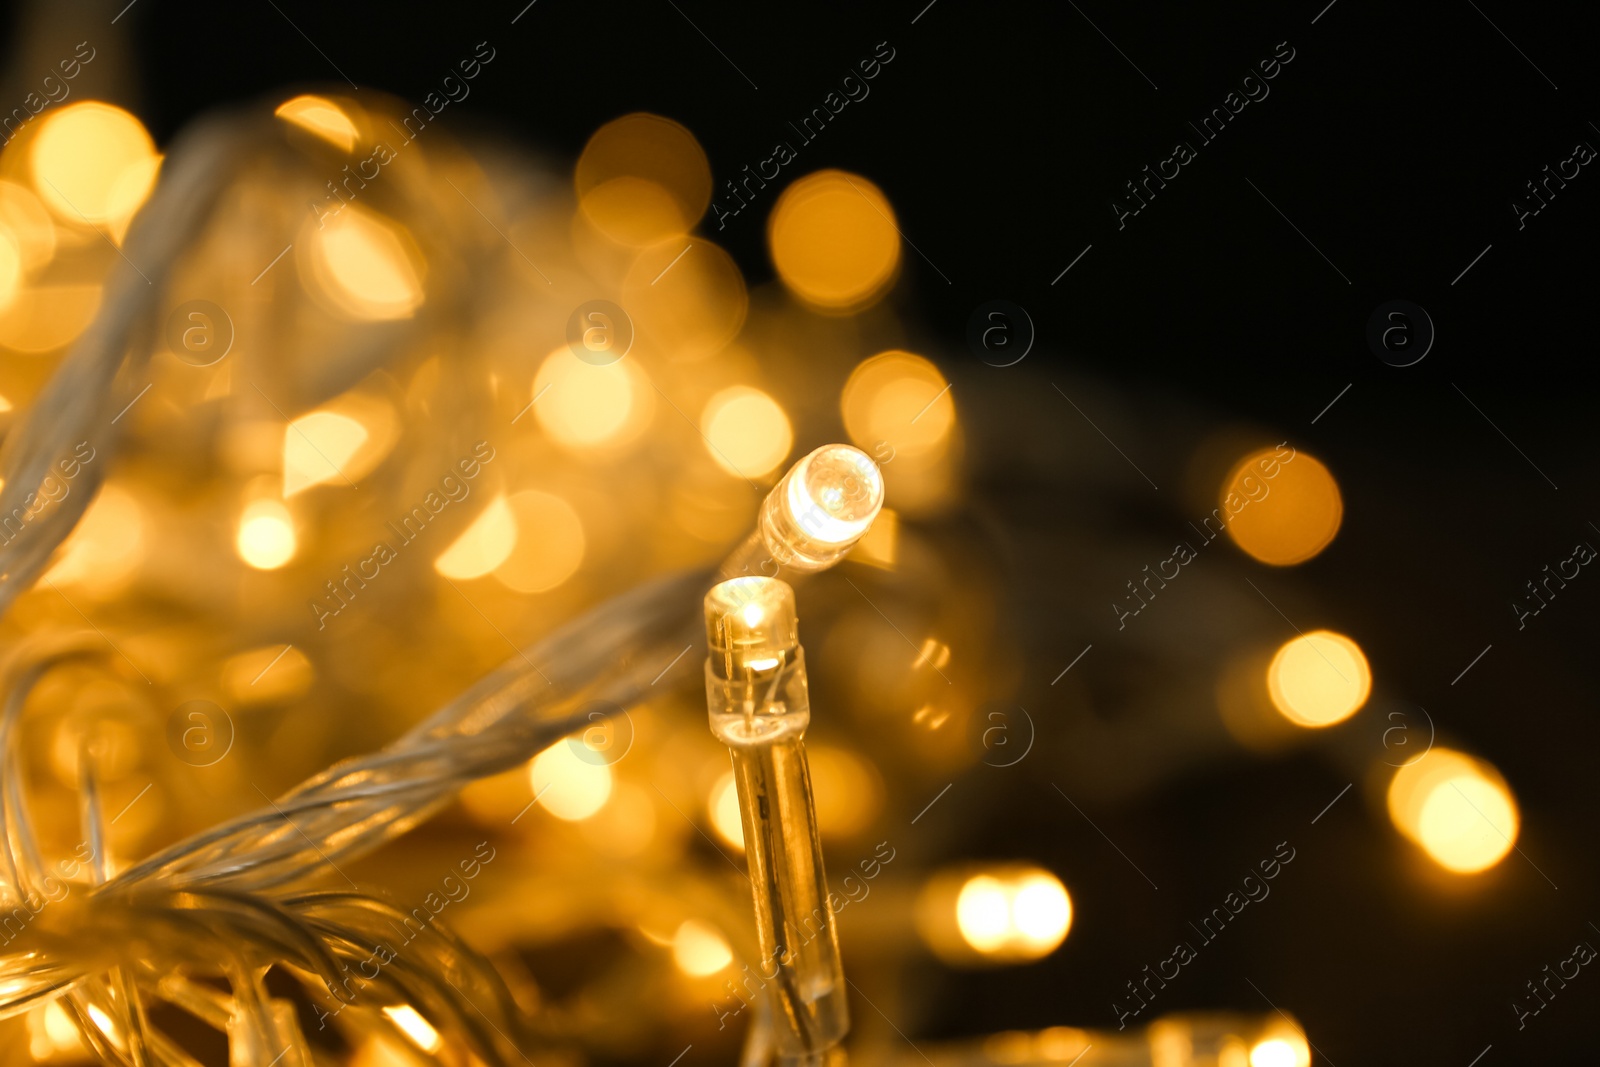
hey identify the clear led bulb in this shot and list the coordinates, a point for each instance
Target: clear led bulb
(814, 515)
(821, 508)
(759, 707)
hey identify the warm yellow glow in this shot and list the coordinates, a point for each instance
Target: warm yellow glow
(549, 543)
(699, 950)
(833, 241)
(51, 1034)
(584, 406)
(847, 790)
(316, 447)
(320, 116)
(1281, 513)
(1014, 914)
(43, 318)
(686, 296)
(103, 1022)
(269, 673)
(1457, 808)
(93, 163)
(724, 810)
(568, 787)
(1283, 1045)
(415, 1027)
(104, 550)
(643, 178)
(5, 405)
(10, 268)
(482, 546)
(27, 222)
(1319, 678)
(983, 912)
(365, 264)
(746, 431)
(899, 399)
(266, 539)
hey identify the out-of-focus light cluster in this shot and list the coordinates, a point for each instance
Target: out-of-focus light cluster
(1004, 914)
(1458, 808)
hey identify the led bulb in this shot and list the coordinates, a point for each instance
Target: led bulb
(758, 705)
(821, 508)
(750, 626)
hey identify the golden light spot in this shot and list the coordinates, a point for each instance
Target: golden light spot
(567, 786)
(686, 297)
(833, 241)
(699, 950)
(10, 269)
(266, 674)
(1459, 809)
(983, 911)
(338, 443)
(846, 789)
(549, 546)
(320, 116)
(266, 539)
(103, 1023)
(316, 447)
(900, 399)
(1274, 1052)
(415, 1027)
(5, 406)
(482, 546)
(1282, 1045)
(634, 211)
(584, 406)
(1005, 914)
(626, 825)
(1319, 678)
(51, 1034)
(643, 178)
(93, 163)
(103, 552)
(1280, 512)
(365, 265)
(28, 223)
(724, 811)
(43, 318)
(746, 431)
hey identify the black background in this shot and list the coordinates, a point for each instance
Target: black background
(1396, 141)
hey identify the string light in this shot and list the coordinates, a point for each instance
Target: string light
(820, 508)
(757, 699)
